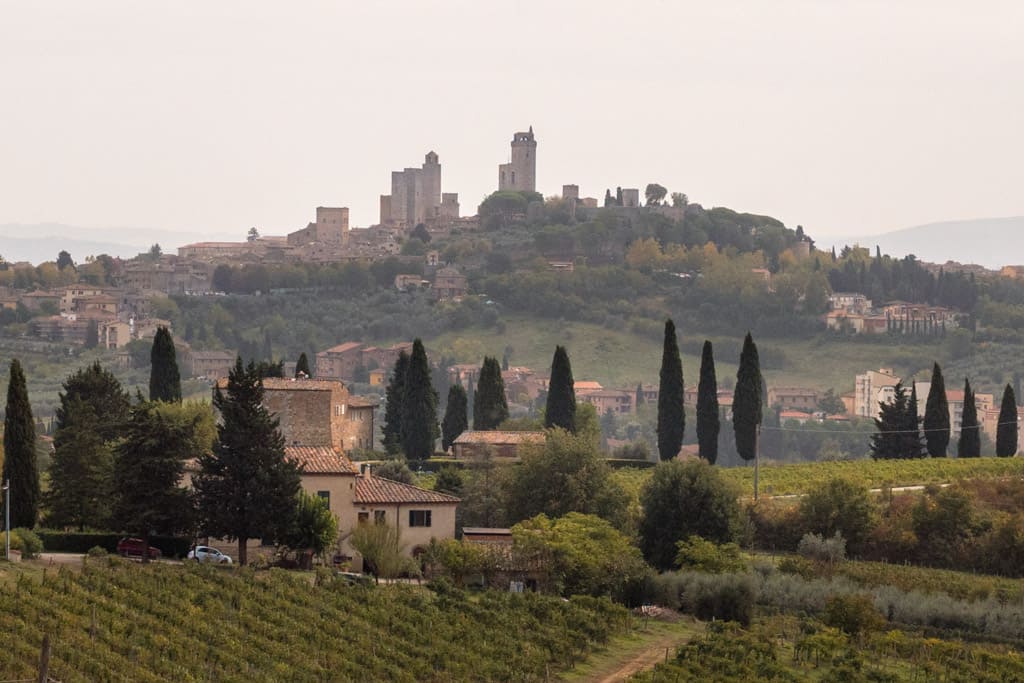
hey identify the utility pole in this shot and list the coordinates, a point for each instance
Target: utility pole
(7, 520)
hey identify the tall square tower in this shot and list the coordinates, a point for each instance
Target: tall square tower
(520, 174)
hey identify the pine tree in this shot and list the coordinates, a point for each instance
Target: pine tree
(302, 366)
(671, 414)
(419, 408)
(561, 404)
(708, 423)
(148, 469)
(20, 452)
(456, 419)
(936, 415)
(887, 442)
(82, 470)
(102, 391)
(911, 446)
(394, 397)
(164, 379)
(969, 445)
(1006, 430)
(490, 408)
(246, 487)
(746, 401)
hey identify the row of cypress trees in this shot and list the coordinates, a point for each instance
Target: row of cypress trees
(746, 409)
(901, 434)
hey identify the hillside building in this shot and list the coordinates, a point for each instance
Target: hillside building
(520, 173)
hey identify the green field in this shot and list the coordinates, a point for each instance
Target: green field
(124, 621)
(798, 478)
(620, 358)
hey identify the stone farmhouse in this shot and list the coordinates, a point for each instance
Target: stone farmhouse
(470, 444)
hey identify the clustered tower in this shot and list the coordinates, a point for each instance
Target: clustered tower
(520, 174)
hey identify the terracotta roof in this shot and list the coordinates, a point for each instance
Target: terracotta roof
(794, 414)
(319, 460)
(586, 384)
(378, 490)
(474, 437)
(308, 384)
(342, 348)
(360, 402)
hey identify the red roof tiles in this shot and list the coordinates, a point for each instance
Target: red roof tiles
(378, 490)
(319, 460)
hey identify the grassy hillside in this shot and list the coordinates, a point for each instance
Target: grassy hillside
(622, 358)
(172, 623)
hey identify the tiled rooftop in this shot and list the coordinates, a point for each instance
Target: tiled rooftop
(378, 490)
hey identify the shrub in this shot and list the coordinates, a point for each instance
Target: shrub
(97, 553)
(839, 506)
(830, 550)
(701, 555)
(31, 545)
(853, 614)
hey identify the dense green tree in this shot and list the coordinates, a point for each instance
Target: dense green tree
(567, 473)
(654, 194)
(20, 452)
(490, 407)
(64, 260)
(485, 492)
(830, 404)
(302, 366)
(81, 471)
(394, 396)
(419, 407)
(639, 398)
(584, 555)
(708, 421)
(936, 415)
(561, 405)
(840, 506)
(456, 418)
(101, 390)
(684, 499)
(911, 429)
(449, 480)
(746, 402)
(395, 469)
(314, 527)
(148, 468)
(246, 487)
(969, 445)
(671, 414)
(164, 378)
(895, 435)
(1006, 430)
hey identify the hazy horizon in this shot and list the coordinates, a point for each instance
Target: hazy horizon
(852, 119)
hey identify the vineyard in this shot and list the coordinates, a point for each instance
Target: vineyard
(118, 621)
(795, 479)
(783, 648)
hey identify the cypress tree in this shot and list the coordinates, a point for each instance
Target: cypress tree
(911, 432)
(561, 405)
(490, 408)
(639, 400)
(746, 401)
(246, 488)
(92, 334)
(20, 452)
(936, 415)
(708, 423)
(419, 407)
(671, 415)
(302, 366)
(1006, 430)
(456, 419)
(164, 379)
(394, 397)
(969, 445)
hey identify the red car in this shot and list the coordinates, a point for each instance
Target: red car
(132, 547)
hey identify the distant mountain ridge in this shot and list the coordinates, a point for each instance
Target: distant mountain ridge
(990, 242)
(43, 241)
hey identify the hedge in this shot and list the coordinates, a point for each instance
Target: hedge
(81, 542)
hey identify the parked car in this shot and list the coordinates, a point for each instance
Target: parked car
(204, 553)
(132, 547)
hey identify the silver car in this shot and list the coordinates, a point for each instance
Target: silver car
(204, 553)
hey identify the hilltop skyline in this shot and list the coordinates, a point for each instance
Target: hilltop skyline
(848, 120)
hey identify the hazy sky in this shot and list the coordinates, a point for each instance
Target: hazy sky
(847, 117)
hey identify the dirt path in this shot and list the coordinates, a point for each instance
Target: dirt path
(643, 660)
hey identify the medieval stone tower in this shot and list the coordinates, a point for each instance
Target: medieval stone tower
(520, 174)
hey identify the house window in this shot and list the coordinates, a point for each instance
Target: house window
(378, 516)
(326, 495)
(419, 517)
(364, 517)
